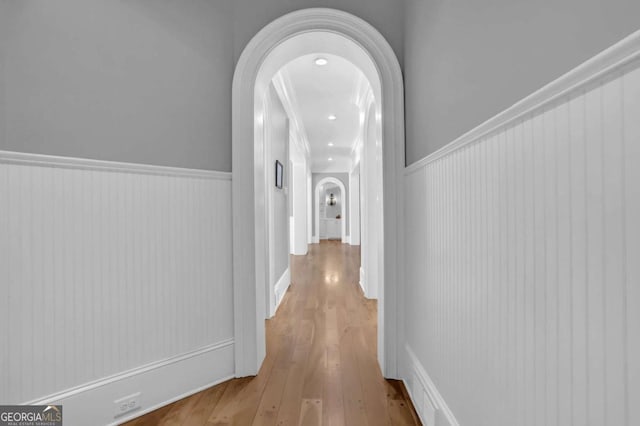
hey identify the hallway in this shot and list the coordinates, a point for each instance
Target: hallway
(320, 367)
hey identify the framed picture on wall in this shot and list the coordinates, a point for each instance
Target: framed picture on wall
(279, 174)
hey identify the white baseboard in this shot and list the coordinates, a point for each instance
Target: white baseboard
(347, 239)
(429, 404)
(159, 383)
(362, 281)
(281, 287)
(316, 239)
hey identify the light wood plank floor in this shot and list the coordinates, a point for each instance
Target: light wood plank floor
(320, 367)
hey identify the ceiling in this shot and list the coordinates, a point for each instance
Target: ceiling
(319, 92)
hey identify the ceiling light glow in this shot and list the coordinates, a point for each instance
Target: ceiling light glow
(321, 62)
(330, 159)
(332, 117)
(330, 144)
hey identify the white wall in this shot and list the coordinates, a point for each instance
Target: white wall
(299, 197)
(354, 203)
(276, 148)
(300, 214)
(371, 195)
(115, 278)
(522, 245)
(310, 206)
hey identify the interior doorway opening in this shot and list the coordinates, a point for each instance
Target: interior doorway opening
(292, 36)
(330, 200)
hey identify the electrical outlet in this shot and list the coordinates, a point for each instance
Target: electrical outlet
(127, 404)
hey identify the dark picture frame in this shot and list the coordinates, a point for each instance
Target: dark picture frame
(279, 174)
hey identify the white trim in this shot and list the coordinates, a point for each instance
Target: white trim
(364, 99)
(343, 207)
(27, 159)
(427, 400)
(615, 57)
(129, 373)
(361, 281)
(247, 183)
(180, 376)
(281, 288)
(135, 415)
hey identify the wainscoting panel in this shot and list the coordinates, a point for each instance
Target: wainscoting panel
(106, 267)
(523, 257)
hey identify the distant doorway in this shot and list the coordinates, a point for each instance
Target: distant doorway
(325, 209)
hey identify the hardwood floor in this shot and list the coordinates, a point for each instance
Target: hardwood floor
(320, 367)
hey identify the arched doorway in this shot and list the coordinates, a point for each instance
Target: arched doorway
(250, 254)
(316, 208)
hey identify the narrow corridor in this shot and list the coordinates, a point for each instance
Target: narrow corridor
(320, 367)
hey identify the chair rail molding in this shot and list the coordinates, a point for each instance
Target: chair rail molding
(28, 159)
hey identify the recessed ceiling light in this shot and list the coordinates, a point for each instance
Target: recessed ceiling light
(330, 144)
(330, 159)
(332, 117)
(321, 62)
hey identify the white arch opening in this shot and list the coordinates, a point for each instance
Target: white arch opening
(256, 66)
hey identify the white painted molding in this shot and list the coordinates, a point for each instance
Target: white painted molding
(27, 159)
(281, 287)
(361, 281)
(316, 239)
(615, 57)
(128, 374)
(427, 400)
